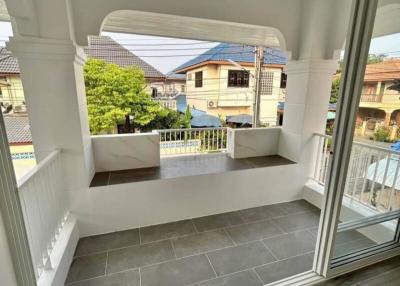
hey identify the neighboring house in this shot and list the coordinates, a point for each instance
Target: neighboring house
(173, 85)
(20, 142)
(378, 103)
(11, 91)
(105, 48)
(215, 85)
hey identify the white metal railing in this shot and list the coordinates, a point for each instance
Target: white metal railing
(166, 103)
(192, 140)
(373, 177)
(44, 207)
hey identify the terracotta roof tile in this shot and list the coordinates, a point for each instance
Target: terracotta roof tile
(383, 71)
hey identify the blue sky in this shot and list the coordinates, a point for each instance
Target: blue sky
(147, 46)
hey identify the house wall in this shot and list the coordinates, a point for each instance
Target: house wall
(12, 93)
(232, 100)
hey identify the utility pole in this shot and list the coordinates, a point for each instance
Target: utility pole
(259, 61)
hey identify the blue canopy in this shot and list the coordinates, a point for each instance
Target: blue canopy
(205, 120)
(181, 106)
(395, 146)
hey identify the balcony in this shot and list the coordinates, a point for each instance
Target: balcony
(371, 98)
(184, 207)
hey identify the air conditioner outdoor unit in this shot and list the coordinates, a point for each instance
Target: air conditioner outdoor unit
(211, 103)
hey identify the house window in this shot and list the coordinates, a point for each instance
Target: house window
(267, 79)
(238, 78)
(283, 80)
(198, 81)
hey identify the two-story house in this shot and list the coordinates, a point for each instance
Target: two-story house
(221, 81)
(380, 103)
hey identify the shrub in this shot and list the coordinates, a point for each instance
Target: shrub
(382, 134)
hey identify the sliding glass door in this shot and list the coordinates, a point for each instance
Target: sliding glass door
(361, 210)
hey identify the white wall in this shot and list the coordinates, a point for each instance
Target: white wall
(126, 151)
(7, 274)
(117, 207)
(253, 142)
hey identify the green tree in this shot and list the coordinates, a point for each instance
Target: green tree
(114, 94)
(376, 58)
(335, 90)
(165, 119)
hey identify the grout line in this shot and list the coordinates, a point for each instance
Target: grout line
(212, 266)
(140, 236)
(194, 225)
(229, 236)
(140, 277)
(258, 276)
(105, 269)
(173, 248)
(109, 178)
(270, 251)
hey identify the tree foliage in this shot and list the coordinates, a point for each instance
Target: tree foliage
(112, 93)
(335, 90)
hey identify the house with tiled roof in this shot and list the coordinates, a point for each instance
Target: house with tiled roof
(100, 47)
(105, 48)
(11, 91)
(379, 102)
(221, 81)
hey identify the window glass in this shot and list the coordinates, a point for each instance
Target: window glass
(199, 79)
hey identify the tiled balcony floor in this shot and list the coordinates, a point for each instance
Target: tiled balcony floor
(247, 247)
(182, 166)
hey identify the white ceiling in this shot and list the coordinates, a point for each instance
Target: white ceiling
(189, 28)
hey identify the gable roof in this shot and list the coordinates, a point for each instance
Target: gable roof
(175, 76)
(105, 48)
(386, 70)
(18, 129)
(235, 52)
(8, 63)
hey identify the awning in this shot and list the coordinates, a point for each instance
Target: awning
(205, 120)
(240, 119)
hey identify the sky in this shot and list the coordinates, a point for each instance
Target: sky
(166, 54)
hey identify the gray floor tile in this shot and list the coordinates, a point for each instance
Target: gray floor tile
(348, 236)
(263, 212)
(138, 256)
(292, 244)
(244, 278)
(126, 278)
(179, 272)
(218, 221)
(284, 268)
(298, 221)
(167, 230)
(86, 267)
(103, 242)
(201, 242)
(254, 231)
(352, 246)
(238, 258)
(298, 206)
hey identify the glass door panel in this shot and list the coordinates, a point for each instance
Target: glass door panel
(370, 205)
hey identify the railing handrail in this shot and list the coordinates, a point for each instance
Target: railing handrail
(41, 165)
(188, 129)
(389, 151)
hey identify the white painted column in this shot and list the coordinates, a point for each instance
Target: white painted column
(52, 76)
(308, 91)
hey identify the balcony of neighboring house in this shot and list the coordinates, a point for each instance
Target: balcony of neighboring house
(191, 206)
